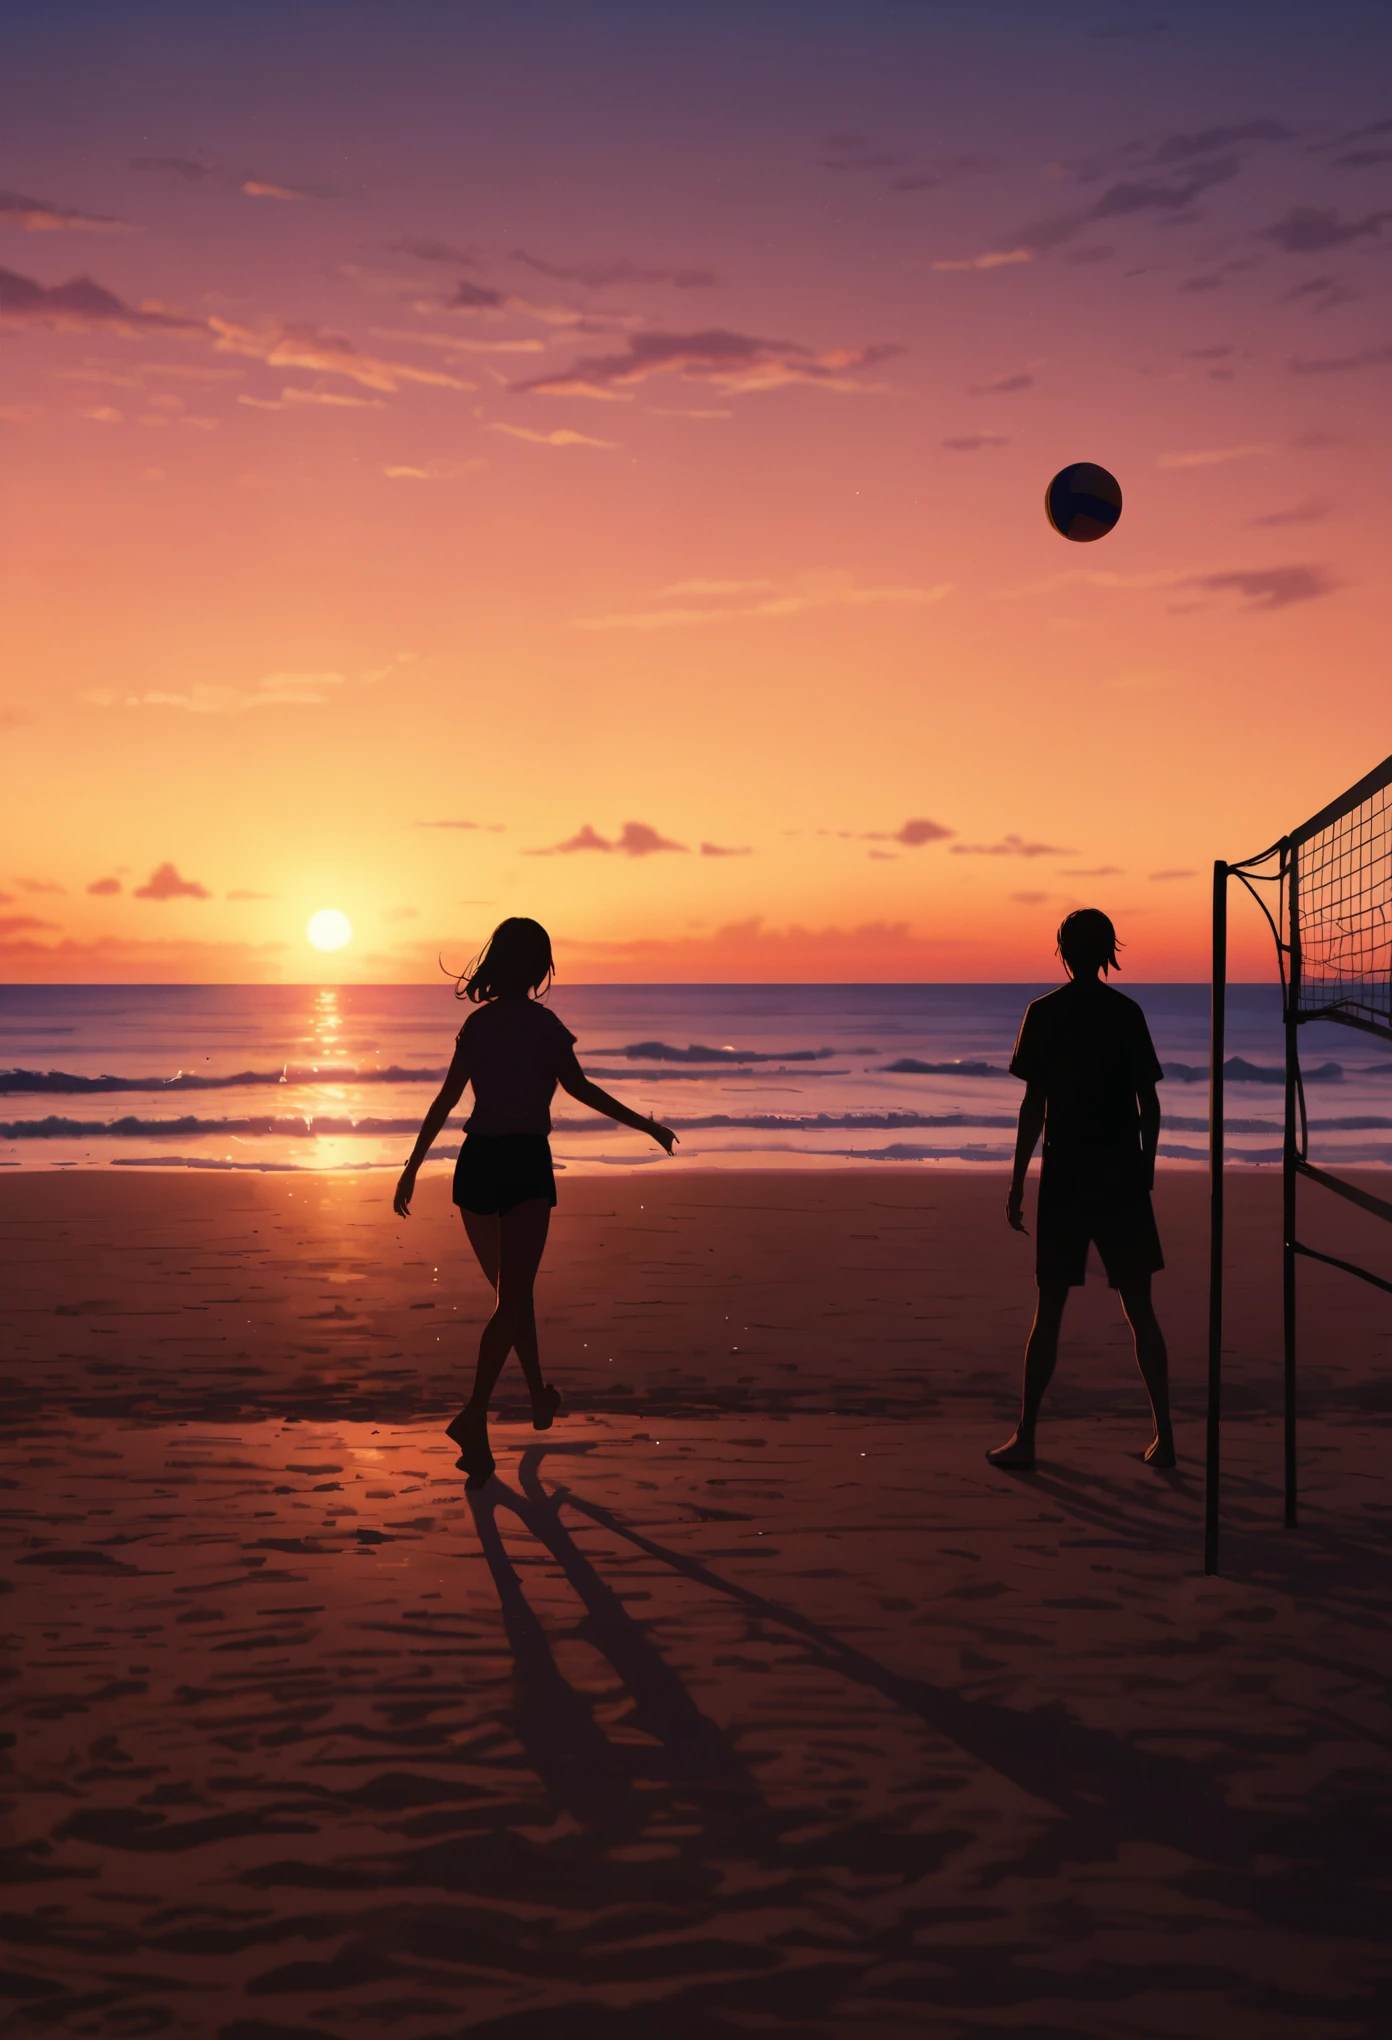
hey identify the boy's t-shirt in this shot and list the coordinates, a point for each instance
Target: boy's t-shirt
(516, 1051)
(1089, 1049)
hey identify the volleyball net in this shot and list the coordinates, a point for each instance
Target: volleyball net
(1326, 891)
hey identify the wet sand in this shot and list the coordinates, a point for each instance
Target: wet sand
(747, 1700)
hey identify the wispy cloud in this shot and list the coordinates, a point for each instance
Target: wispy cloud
(21, 924)
(193, 171)
(81, 305)
(829, 589)
(444, 825)
(726, 850)
(735, 362)
(1028, 899)
(395, 915)
(635, 839)
(1215, 456)
(431, 470)
(1008, 846)
(103, 888)
(242, 892)
(1095, 871)
(599, 275)
(164, 883)
(273, 690)
(1270, 587)
(1162, 875)
(1340, 364)
(974, 442)
(1310, 229)
(991, 258)
(304, 346)
(1002, 385)
(293, 399)
(562, 436)
(41, 216)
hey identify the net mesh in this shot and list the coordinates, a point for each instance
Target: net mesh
(1344, 909)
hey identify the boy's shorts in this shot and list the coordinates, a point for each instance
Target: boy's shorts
(1118, 1219)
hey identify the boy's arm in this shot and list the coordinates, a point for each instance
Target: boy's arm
(1148, 1100)
(1026, 1141)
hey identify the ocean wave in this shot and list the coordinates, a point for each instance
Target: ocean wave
(665, 1051)
(27, 1082)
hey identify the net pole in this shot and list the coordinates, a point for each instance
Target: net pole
(1217, 1032)
(1289, 1155)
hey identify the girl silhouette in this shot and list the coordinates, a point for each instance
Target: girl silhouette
(514, 1051)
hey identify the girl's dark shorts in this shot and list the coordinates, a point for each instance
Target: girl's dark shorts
(496, 1171)
(1117, 1217)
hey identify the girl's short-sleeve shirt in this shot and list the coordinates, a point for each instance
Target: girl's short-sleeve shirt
(516, 1052)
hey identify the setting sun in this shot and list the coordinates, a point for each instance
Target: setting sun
(329, 929)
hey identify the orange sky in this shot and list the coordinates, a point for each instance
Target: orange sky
(631, 426)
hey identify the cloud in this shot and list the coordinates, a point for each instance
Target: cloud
(974, 442)
(1028, 899)
(1183, 148)
(164, 883)
(726, 850)
(458, 343)
(289, 398)
(273, 690)
(1095, 871)
(736, 362)
(433, 471)
(883, 856)
(396, 914)
(562, 436)
(1337, 364)
(40, 885)
(1159, 875)
(1130, 196)
(915, 833)
(241, 892)
(993, 258)
(825, 589)
(304, 346)
(637, 839)
(599, 275)
(1308, 512)
(1002, 385)
(1214, 456)
(444, 825)
(1270, 587)
(21, 924)
(435, 251)
(1309, 229)
(1008, 846)
(39, 216)
(190, 170)
(80, 305)
(103, 888)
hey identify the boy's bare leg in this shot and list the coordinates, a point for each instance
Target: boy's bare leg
(1041, 1354)
(1153, 1362)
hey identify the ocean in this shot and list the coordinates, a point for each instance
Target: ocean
(293, 1077)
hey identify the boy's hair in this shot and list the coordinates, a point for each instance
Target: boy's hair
(515, 958)
(1088, 941)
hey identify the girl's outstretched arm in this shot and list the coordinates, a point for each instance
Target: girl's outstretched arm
(573, 1080)
(449, 1095)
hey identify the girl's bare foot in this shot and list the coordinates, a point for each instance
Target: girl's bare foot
(1016, 1455)
(470, 1433)
(1160, 1452)
(546, 1408)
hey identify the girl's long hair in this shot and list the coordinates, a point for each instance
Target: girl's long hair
(515, 958)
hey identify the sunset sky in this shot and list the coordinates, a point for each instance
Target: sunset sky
(587, 460)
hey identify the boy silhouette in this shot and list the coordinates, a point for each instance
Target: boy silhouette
(1090, 1072)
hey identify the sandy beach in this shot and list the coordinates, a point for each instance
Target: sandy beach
(750, 1699)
